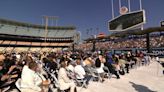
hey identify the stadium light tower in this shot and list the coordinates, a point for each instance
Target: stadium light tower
(140, 5)
(46, 25)
(46, 30)
(112, 9)
(129, 6)
(119, 4)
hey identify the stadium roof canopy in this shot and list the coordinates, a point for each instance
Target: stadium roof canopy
(27, 29)
(127, 33)
(138, 32)
(23, 24)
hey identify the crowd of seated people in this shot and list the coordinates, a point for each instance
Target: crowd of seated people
(10, 71)
(155, 41)
(35, 72)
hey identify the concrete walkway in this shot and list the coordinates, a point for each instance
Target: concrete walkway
(142, 79)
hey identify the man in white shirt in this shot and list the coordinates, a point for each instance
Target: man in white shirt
(30, 80)
(80, 72)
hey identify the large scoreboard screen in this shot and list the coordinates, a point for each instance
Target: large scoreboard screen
(127, 21)
(162, 23)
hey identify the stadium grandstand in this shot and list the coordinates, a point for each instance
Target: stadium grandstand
(128, 41)
(16, 35)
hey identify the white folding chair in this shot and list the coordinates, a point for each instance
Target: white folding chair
(55, 81)
(107, 72)
(95, 74)
(18, 84)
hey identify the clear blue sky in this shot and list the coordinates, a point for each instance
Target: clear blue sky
(84, 14)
